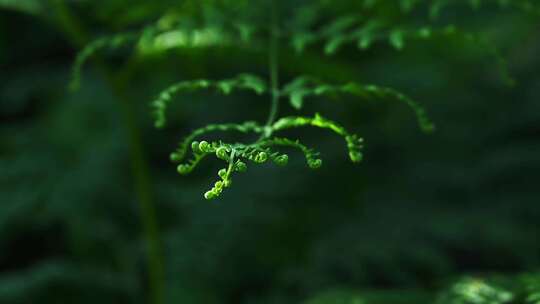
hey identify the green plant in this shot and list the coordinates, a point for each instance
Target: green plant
(68, 225)
(365, 28)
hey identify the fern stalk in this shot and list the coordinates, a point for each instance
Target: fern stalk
(273, 65)
(77, 34)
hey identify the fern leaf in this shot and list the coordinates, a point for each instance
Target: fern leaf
(344, 30)
(303, 87)
(354, 143)
(226, 86)
(312, 157)
(112, 43)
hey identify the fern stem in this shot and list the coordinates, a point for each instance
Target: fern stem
(79, 38)
(273, 65)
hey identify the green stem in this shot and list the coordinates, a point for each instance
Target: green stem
(273, 66)
(139, 166)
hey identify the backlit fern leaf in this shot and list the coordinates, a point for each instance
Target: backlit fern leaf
(354, 143)
(226, 86)
(166, 33)
(312, 157)
(303, 87)
(153, 41)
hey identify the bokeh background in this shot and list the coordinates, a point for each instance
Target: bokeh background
(420, 218)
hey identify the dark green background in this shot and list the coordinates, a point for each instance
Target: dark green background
(420, 212)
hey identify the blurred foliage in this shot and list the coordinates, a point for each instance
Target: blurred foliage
(447, 218)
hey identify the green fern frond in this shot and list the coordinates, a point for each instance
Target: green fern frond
(226, 86)
(258, 152)
(246, 127)
(233, 155)
(111, 42)
(162, 35)
(354, 143)
(312, 157)
(303, 87)
(349, 29)
(154, 41)
(375, 30)
(222, 151)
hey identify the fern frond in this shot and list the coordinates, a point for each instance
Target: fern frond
(246, 127)
(346, 30)
(111, 42)
(232, 154)
(162, 35)
(312, 157)
(354, 143)
(159, 41)
(303, 87)
(222, 151)
(241, 82)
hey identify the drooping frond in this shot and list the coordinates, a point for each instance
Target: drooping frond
(312, 157)
(303, 87)
(168, 32)
(354, 143)
(259, 151)
(350, 29)
(241, 82)
(364, 32)
(111, 42)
